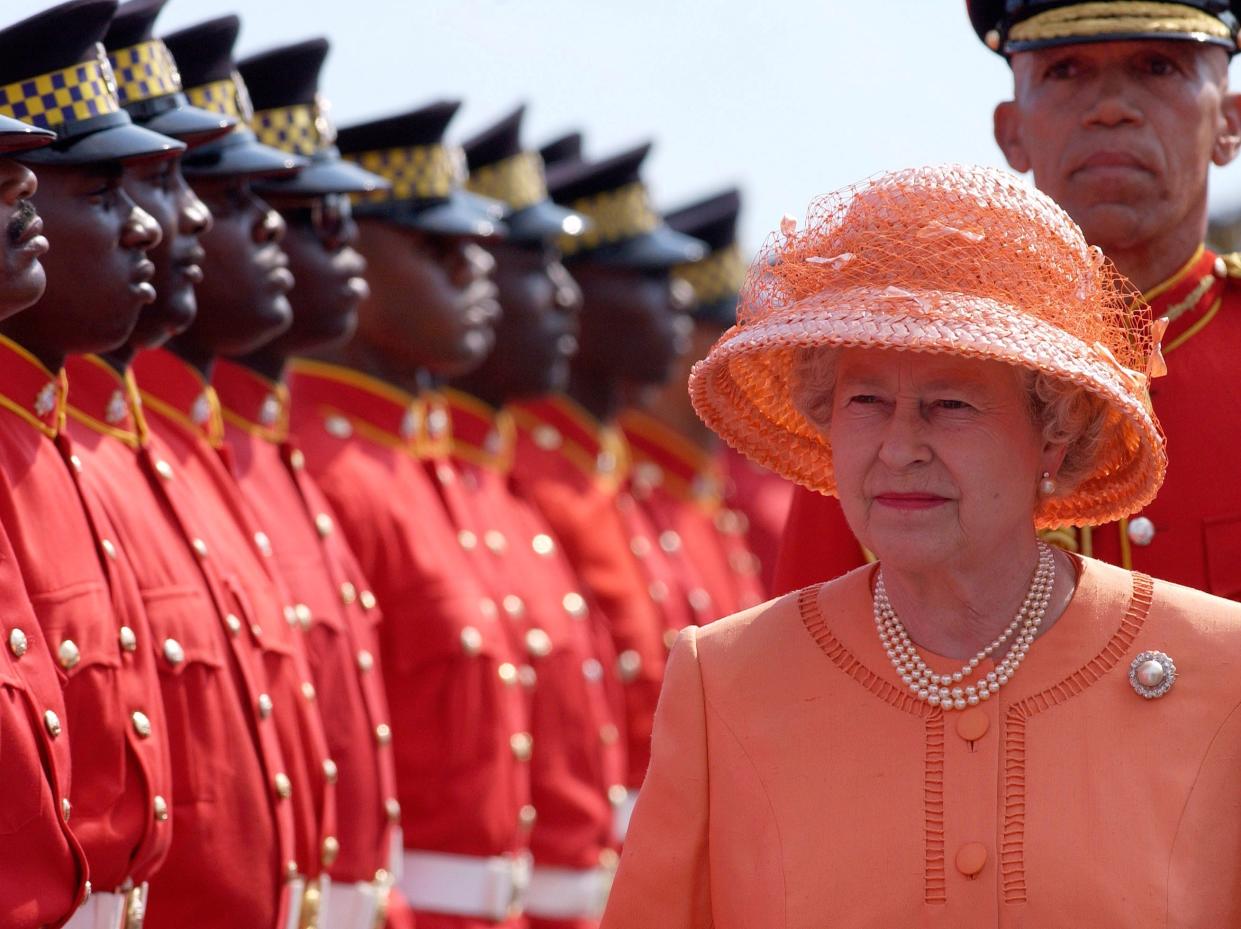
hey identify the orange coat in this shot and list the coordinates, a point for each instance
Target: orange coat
(795, 783)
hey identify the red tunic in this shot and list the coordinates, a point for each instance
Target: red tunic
(572, 468)
(680, 486)
(231, 833)
(460, 730)
(91, 615)
(335, 609)
(757, 507)
(183, 413)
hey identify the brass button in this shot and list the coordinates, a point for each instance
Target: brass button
(538, 643)
(972, 724)
(526, 816)
(546, 437)
(640, 546)
(514, 606)
(173, 651)
(256, 630)
(366, 660)
(670, 541)
(233, 623)
(508, 673)
(444, 473)
(609, 734)
(76, 462)
(383, 734)
(263, 543)
(348, 593)
(522, 744)
(528, 676)
(65, 808)
(331, 848)
(487, 607)
(574, 604)
(265, 706)
(127, 638)
(467, 540)
(108, 548)
(670, 638)
(297, 460)
(290, 615)
(18, 643)
(617, 794)
(163, 469)
(393, 810)
(284, 787)
(338, 426)
(68, 654)
(330, 771)
(628, 665)
(52, 723)
(699, 599)
(159, 806)
(290, 870)
(308, 690)
(141, 723)
(323, 525)
(543, 544)
(608, 859)
(658, 591)
(367, 599)
(1141, 530)
(200, 548)
(495, 541)
(471, 640)
(971, 858)
(592, 669)
(302, 614)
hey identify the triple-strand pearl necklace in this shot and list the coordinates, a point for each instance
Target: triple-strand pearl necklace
(949, 690)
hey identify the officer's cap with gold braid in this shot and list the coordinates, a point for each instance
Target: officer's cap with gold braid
(625, 228)
(426, 174)
(54, 75)
(148, 82)
(501, 169)
(290, 114)
(718, 277)
(561, 152)
(204, 56)
(1008, 26)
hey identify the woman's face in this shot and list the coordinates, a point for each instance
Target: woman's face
(937, 458)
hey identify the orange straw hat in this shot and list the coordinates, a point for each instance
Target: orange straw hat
(961, 260)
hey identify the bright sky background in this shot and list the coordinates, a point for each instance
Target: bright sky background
(788, 99)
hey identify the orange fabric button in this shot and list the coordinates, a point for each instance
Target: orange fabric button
(973, 724)
(971, 857)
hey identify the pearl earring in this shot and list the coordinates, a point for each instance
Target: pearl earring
(1046, 486)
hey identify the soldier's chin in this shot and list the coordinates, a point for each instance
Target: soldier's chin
(22, 289)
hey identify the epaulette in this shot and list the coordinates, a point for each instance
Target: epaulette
(1232, 262)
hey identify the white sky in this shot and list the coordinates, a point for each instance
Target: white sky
(788, 99)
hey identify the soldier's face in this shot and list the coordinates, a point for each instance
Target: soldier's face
(1121, 134)
(161, 190)
(21, 275)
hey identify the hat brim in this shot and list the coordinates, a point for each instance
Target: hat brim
(190, 124)
(544, 221)
(239, 153)
(460, 213)
(662, 247)
(1013, 47)
(16, 136)
(116, 140)
(744, 388)
(326, 174)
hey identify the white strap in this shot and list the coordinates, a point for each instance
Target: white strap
(294, 888)
(100, 911)
(622, 814)
(350, 906)
(565, 893)
(465, 885)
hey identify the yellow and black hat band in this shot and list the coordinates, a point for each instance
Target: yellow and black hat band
(615, 215)
(227, 97)
(416, 172)
(304, 129)
(717, 277)
(61, 100)
(144, 71)
(516, 181)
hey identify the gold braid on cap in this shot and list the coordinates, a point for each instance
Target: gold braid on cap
(228, 97)
(1121, 17)
(619, 214)
(416, 172)
(69, 95)
(303, 129)
(516, 181)
(717, 277)
(145, 71)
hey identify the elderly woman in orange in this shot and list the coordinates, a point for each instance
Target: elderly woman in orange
(977, 730)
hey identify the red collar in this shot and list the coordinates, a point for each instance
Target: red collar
(1190, 298)
(663, 458)
(30, 390)
(174, 389)
(251, 402)
(557, 423)
(104, 400)
(481, 434)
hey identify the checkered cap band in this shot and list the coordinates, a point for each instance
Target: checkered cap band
(516, 181)
(145, 71)
(716, 277)
(228, 97)
(617, 215)
(417, 172)
(69, 95)
(304, 129)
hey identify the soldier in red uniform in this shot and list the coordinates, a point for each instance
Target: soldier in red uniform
(43, 864)
(229, 845)
(1118, 110)
(460, 726)
(336, 609)
(572, 461)
(78, 578)
(183, 414)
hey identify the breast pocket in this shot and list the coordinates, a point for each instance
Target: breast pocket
(1221, 537)
(190, 655)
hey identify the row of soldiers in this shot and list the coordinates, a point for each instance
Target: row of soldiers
(344, 530)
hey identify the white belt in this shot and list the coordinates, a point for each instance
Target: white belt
(466, 885)
(621, 815)
(566, 893)
(105, 910)
(293, 890)
(353, 906)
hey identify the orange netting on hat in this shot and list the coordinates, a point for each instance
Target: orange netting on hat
(956, 259)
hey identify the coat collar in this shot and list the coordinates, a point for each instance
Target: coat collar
(663, 458)
(177, 391)
(556, 423)
(1191, 297)
(104, 400)
(28, 389)
(481, 434)
(251, 402)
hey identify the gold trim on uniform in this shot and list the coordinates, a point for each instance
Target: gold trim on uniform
(516, 181)
(1118, 17)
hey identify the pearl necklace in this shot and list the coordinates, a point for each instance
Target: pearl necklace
(946, 690)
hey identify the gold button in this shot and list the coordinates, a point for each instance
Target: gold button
(528, 676)
(609, 734)
(308, 690)
(366, 660)
(18, 642)
(256, 630)
(393, 809)
(471, 640)
(159, 806)
(301, 613)
(173, 651)
(508, 673)
(669, 541)
(367, 599)
(284, 787)
(699, 599)
(543, 544)
(68, 654)
(233, 623)
(522, 743)
(263, 543)
(76, 462)
(467, 540)
(338, 426)
(51, 722)
(495, 541)
(574, 604)
(514, 606)
(331, 848)
(348, 593)
(65, 808)
(323, 524)
(670, 638)
(617, 794)
(658, 591)
(127, 638)
(608, 858)
(108, 548)
(297, 460)
(538, 643)
(290, 615)
(592, 669)
(265, 706)
(141, 723)
(526, 816)
(971, 858)
(628, 665)
(330, 771)
(383, 734)
(973, 724)
(163, 469)
(487, 607)
(200, 548)
(290, 869)
(444, 473)
(546, 438)
(640, 546)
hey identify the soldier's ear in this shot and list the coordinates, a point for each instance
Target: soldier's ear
(1228, 138)
(1006, 124)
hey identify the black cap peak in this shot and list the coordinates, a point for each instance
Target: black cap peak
(712, 219)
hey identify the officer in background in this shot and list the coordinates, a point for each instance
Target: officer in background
(1119, 110)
